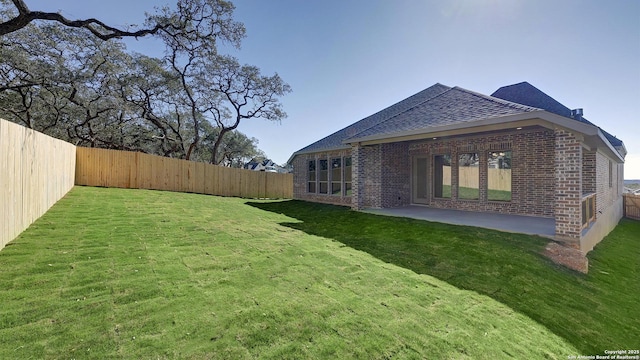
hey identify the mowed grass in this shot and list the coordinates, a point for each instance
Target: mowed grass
(112, 273)
(474, 193)
(594, 312)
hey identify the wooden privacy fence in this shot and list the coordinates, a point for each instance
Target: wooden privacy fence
(632, 206)
(498, 179)
(134, 170)
(36, 171)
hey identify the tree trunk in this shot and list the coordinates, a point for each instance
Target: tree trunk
(216, 145)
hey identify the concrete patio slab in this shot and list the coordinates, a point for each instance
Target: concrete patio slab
(510, 223)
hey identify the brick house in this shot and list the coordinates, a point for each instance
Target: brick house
(517, 152)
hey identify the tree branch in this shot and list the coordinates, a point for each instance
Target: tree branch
(96, 27)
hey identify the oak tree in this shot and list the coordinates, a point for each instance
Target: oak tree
(93, 92)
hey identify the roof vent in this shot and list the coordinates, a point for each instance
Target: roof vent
(577, 114)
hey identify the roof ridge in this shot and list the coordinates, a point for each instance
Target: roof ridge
(498, 100)
(405, 110)
(436, 84)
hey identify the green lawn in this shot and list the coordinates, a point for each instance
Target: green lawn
(474, 193)
(594, 312)
(112, 273)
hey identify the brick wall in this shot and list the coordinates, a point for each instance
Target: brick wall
(395, 175)
(606, 195)
(568, 193)
(370, 176)
(299, 164)
(532, 170)
(300, 178)
(357, 156)
(588, 171)
(541, 158)
(372, 166)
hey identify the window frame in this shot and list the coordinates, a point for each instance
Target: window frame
(347, 189)
(342, 187)
(440, 173)
(476, 156)
(332, 180)
(322, 172)
(510, 167)
(313, 172)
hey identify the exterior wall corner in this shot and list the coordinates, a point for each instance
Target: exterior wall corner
(357, 173)
(568, 186)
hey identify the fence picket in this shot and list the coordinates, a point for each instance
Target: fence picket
(115, 168)
(36, 170)
(632, 206)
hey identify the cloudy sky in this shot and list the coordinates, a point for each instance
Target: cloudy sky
(347, 59)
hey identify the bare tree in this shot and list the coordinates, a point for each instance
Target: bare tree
(244, 94)
(55, 79)
(101, 30)
(190, 22)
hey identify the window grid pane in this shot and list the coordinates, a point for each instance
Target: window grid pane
(311, 175)
(336, 176)
(323, 176)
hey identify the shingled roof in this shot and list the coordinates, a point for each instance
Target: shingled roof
(335, 140)
(454, 106)
(527, 94)
(440, 105)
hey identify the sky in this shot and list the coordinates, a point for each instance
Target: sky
(347, 59)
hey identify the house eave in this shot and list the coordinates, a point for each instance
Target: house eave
(453, 129)
(592, 133)
(541, 118)
(600, 138)
(306, 152)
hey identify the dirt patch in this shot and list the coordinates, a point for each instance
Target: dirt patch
(567, 256)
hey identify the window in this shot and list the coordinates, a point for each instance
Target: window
(336, 176)
(588, 210)
(442, 176)
(347, 176)
(323, 177)
(469, 176)
(331, 177)
(311, 171)
(499, 176)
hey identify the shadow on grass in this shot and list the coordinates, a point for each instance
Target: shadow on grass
(504, 266)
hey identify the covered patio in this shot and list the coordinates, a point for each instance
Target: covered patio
(530, 225)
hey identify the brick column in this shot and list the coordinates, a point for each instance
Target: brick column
(357, 177)
(568, 187)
